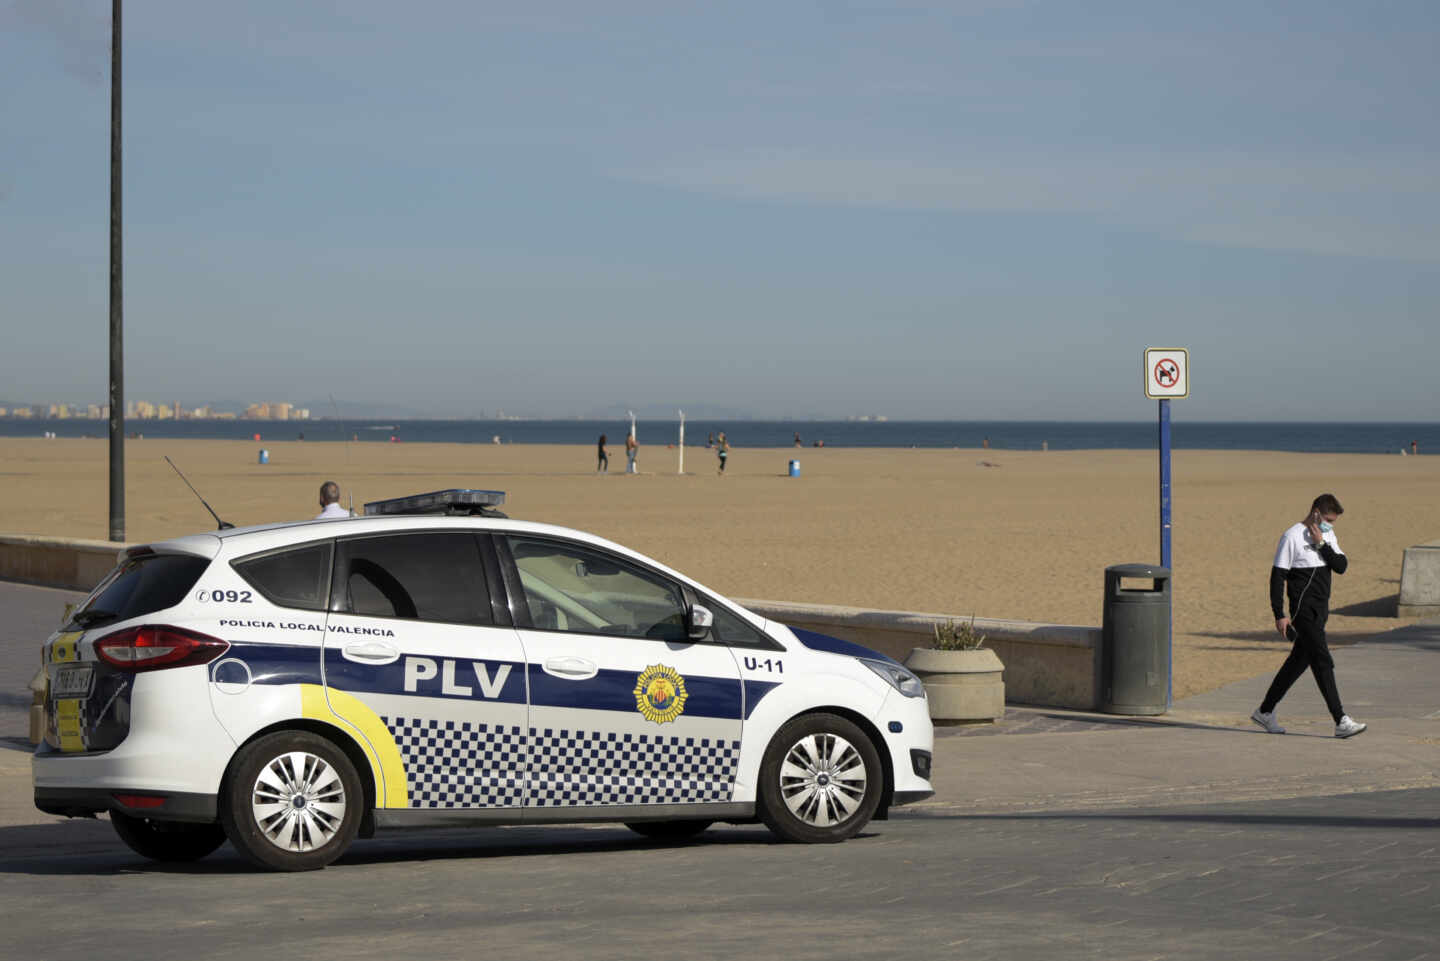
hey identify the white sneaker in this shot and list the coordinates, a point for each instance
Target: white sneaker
(1268, 722)
(1348, 727)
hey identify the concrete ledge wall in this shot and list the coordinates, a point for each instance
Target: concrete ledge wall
(1052, 665)
(77, 565)
(1420, 581)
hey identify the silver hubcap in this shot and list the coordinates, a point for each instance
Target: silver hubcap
(822, 780)
(298, 801)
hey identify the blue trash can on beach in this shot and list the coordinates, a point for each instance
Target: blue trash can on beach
(794, 468)
(264, 456)
(1135, 640)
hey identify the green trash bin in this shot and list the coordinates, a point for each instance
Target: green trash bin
(1135, 640)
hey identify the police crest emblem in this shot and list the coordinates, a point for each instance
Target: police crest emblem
(660, 693)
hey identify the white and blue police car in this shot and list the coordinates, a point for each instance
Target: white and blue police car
(292, 687)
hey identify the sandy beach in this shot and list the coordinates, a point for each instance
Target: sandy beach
(1022, 535)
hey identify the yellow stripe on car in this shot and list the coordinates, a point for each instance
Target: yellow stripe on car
(372, 735)
(67, 725)
(65, 647)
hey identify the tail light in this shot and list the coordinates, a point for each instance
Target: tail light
(153, 647)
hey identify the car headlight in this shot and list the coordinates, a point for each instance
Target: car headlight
(896, 676)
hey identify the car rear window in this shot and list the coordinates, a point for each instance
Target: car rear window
(296, 577)
(431, 577)
(141, 585)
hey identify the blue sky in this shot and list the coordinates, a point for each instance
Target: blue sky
(961, 210)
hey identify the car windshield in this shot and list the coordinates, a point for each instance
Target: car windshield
(140, 585)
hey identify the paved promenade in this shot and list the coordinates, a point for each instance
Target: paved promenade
(1053, 833)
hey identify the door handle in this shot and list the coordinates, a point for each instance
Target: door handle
(571, 668)
(371, 652)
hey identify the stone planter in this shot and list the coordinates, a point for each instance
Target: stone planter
(961, 686)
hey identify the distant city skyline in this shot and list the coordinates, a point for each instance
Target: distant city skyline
(142, 410)
(955, 211)
(285, 410)
(148, 410)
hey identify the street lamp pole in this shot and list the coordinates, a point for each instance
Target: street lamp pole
(117, 307)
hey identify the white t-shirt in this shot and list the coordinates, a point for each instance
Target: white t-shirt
(331, 512)
(1295, 549)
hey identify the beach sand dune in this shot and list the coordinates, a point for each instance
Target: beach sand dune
(922, 530)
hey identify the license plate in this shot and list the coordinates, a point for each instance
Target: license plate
(72, 682)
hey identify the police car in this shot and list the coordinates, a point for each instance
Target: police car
(292, 687)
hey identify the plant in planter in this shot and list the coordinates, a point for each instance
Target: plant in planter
(964, 679)
(951, 636)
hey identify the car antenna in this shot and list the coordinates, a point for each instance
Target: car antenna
(224, 525)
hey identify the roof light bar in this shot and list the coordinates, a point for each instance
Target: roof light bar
(440, 502)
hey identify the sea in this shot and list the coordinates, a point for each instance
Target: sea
(1349, 438)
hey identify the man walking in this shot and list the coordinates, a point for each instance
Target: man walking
(1306, 555)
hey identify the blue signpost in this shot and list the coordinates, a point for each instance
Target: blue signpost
(1167, 375)
(1165, 483)
(1165, 543)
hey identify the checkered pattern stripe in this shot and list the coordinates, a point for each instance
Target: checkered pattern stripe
(87, 713)
(52, 719)
(579, 768)
(455, 764)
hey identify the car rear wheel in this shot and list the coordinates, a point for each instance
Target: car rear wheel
(292, 801)
(668, 830)
(820, 780)
(171, 841)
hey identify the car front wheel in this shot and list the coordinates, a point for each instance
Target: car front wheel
(820, 780)
(292, 801)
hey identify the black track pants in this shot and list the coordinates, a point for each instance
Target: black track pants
(1310, 650)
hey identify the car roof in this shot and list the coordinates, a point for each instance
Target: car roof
(372, 523)
(264, 537)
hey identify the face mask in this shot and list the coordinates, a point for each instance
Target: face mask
(1326, 527)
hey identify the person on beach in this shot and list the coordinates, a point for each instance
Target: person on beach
(330, 502)
(722, 451)
(1306, 555)
(602, 462)
(632, 448)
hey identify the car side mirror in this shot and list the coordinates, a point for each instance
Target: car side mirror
(699, 622)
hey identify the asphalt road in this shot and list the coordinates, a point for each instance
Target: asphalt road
(1043, 874)
(1356, 876)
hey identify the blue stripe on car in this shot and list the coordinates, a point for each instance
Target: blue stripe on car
(615, 691)
(272, 663)
(754, 691)
(834, 645)
(390, 678)
(609, 691)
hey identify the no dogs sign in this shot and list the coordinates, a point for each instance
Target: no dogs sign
(1167, 372)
